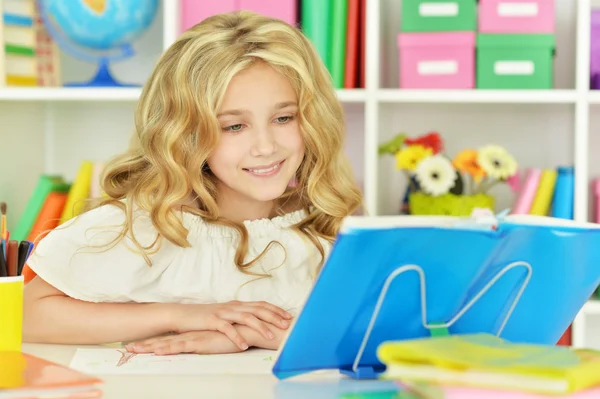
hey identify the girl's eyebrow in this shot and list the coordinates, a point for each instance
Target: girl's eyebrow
(285, 104)
(238, 112)
(235, 112)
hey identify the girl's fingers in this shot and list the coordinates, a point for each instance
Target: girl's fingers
(272, 308)
(259, 312)
(176, 346)
(233, 334)
(251, 321)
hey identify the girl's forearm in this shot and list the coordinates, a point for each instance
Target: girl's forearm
(63, 320)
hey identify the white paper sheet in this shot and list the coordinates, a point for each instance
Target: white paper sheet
(119, 361)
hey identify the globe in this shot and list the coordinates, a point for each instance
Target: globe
(105, 26)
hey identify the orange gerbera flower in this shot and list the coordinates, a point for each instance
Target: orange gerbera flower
(466, 162)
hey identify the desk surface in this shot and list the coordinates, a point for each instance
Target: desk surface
(327, 386)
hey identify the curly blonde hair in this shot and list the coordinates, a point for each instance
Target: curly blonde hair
(177, 129)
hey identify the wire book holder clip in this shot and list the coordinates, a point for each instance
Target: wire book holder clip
(358, 371)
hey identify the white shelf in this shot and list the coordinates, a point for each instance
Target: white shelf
(477, 96)
(351, 95)
(345, 95)
(594, 97)
(69, 94)
(114, 94)
(592, 307)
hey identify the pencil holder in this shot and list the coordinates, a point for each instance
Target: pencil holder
(11, 313)
(13, 365)
(448, 204)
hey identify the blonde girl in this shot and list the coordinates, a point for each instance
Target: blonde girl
(217, 220)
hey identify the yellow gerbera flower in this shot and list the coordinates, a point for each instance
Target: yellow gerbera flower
(409, 157)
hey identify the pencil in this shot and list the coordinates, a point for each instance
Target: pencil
(24, 251)
(3, 225)
(12, 258)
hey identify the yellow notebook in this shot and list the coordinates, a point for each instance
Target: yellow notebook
(483, 360)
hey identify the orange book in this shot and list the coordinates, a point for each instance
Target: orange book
(352, 43)
(49, 216)
(25, 376)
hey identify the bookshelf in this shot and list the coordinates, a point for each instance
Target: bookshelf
(49, 130)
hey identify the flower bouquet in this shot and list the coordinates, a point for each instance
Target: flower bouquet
(439, 185)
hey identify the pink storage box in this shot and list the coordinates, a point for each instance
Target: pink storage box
(437, 60)
(516, 16)
(194, 11)
(286, 10)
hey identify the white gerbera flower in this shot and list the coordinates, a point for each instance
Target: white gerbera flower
(496, 162)
(436, 175)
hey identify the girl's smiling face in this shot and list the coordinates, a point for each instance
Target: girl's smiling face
(261, 146)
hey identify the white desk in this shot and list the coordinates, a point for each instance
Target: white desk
(209, 386)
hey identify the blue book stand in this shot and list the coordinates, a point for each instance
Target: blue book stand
(521, 277)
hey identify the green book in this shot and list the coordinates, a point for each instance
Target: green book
(337, 54)
(46, 184)
(315, 24)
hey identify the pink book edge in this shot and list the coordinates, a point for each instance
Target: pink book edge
(528, 192)
(460, 392)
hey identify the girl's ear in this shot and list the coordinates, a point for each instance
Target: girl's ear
(293, 182)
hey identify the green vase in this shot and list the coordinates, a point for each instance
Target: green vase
(448, 204)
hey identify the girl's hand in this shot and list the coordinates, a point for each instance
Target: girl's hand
(202, 342)
(205, 342)
(221, 317)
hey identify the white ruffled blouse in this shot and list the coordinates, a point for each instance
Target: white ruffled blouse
(74, 258)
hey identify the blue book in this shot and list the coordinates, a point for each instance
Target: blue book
(521, 277)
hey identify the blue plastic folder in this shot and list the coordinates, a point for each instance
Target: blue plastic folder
(521, 277)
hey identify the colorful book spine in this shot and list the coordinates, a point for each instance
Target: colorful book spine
(47, 54)
(528, 192)
(79, 193)
(2, 52)
(337, 50)
(543, 198)
(596, 190)
(45, 185)
(352, 45)
(316, 25)
(562, 202)
(19, 41)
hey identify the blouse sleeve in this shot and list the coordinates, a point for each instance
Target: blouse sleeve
(87, 260)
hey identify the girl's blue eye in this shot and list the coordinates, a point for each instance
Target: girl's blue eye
(233, 128)
(284, 119)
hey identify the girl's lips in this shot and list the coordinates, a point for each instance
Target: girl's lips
(266, 171)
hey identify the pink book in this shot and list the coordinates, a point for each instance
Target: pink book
(280, 9)
(528, 192)
(597, 199)
(456, 392)
(194, 11)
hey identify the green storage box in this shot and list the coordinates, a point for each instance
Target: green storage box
(438, 15)
(515, 61)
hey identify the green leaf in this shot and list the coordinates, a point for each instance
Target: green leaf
(393, 146)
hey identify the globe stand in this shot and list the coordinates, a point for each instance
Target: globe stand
(103, 77)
